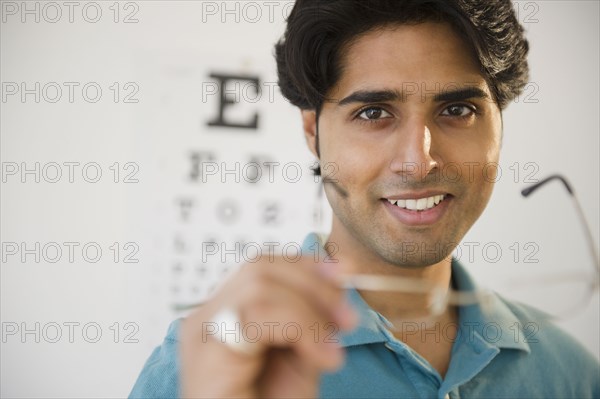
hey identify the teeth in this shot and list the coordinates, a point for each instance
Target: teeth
(418, 204)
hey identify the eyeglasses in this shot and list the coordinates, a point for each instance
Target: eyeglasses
(563, 294)
(419, 299)
(586, 227)
(557, 295)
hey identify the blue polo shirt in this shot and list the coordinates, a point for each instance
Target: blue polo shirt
(506, 351)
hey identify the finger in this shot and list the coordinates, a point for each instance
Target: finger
(280, 317)
(306, 277)
(209, 369)
(287, 315)
(285, 369)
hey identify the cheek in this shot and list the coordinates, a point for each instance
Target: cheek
(474, 152)
(348, 161)
(490, 173)
(473, 164)
(490, 170)
(481, 179)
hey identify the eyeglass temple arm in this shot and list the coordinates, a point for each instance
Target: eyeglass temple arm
(588, 232)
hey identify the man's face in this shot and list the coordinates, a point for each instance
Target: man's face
(411, 118)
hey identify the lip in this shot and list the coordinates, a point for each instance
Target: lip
(416, 195)
(418, 218)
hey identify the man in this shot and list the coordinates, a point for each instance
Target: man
(391, 93)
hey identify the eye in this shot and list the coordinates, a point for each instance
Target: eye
(458, 110)
(373, 114)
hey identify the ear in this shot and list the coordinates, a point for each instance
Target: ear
(309, 124)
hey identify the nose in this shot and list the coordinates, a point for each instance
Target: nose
(413, 156)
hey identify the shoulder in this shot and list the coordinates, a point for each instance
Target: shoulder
(555, 356)
(544, 335)
(159, 377)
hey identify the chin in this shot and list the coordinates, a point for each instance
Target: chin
(415, 261)
(413, 255)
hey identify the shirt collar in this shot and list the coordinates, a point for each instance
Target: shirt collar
(492, 326)
(496, 315)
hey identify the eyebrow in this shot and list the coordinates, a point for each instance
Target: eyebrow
(371, 96)
(461, 94)
(375, 96)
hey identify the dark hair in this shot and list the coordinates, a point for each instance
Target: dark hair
(309, 54)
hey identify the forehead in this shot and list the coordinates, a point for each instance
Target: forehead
(428, 55)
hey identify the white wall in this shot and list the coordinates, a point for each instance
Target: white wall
(163, 59)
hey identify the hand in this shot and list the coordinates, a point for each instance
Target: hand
(284, 308)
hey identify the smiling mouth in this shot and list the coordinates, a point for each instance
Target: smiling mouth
(418, 204)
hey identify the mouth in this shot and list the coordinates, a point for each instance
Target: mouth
(418, 204)
(418, 209)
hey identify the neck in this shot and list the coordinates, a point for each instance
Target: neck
(355, 258)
